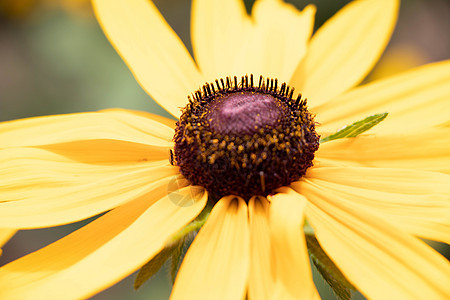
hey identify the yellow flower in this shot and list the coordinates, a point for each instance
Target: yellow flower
(367, 197)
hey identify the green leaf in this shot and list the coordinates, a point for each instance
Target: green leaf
(329, 271)
(356, 128)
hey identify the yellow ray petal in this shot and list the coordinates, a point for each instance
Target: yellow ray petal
(151, 49)
(382, 261)
(219, 30)
(166, 121)
(147, 123)
(415, 100)
(217, 264)
(41, 188)
(427, 216)
(345, 48)
(99, 254)
(106, 152)
(279, 39)
(115, 125)
(261, 277)
(292, 268)
(398, 58)
(405, 181)
(320, 162)
(425, 150)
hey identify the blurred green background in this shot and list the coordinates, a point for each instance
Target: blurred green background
(54, 59)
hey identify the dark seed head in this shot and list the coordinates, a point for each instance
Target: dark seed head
(237, 138)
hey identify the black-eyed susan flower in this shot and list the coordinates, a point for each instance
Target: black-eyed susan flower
(278, 173)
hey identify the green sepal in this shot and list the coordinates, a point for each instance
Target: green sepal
(178, 256)
(174, 249)
(356, 128)
(194, 225)
(328, 270)
(307, 229)
(187, 234)
(175, 261)
(152, 267)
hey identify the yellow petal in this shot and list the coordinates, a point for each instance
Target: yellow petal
(147, 123)
(171, 123)
(390, 180)
(425, 150)
(345, 49)
(219, 30)
(292, 267)
(427, 216)
(106, 152)
(415, 100)
(120, 125)
(382, 261)
(320, 162)
(151, 49)
(216, 265)
(42, 188)
(399, 58)
(279, 39)
(99, 254)
(261, 278)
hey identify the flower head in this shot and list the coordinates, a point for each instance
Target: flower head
(257, 182)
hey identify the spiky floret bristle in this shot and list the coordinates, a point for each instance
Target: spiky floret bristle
(239, 138)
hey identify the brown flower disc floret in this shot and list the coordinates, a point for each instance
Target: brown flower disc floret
(238, 138)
